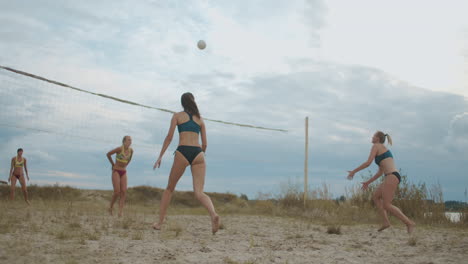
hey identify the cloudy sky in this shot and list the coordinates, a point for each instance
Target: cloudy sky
(352, 67)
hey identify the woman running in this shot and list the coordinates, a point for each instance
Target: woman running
(119, 172)
(190, 124)
(18, 163)
(384, 194)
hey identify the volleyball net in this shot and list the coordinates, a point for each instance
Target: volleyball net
(52, 118)
(62, 109)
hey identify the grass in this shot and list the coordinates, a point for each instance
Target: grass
(83, 224)
(412, 241)
(334, 229)
(228, 260)
(62, 234)
(422, 204)
(74, 225)
(137, 235)
(222, 226)
(171, 230)
(93, 236)
(295, 236)
(252, 242)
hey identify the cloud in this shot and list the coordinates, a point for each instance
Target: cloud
(344, 106)
(263, 66)
(42, 155)
(315, 12)
(457, 138)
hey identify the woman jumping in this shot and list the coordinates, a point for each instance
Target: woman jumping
(190, 125)
(119, 172)
(18, 163)
(384, 194)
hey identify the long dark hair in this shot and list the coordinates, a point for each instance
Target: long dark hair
(189, 105)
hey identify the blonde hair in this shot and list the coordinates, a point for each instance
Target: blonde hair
(123, 143)
(381, 135)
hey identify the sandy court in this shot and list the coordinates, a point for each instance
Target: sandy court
(62, 236)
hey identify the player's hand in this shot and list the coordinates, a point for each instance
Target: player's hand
(157, 164)
(365, 185)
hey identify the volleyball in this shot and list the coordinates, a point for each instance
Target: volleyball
(201, 44)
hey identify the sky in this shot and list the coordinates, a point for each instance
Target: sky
(352, 67)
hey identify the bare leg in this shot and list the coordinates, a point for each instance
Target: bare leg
(178, 168)
(23, 188)
(116, 185)
(12, 187)
(123, 193)
(389, 187)
(198, 173)
(377, 198)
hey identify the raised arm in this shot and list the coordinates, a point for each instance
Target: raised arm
(203, 136)
(167, 141)
(367, 163)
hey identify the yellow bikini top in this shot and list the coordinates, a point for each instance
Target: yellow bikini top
(19, 164)
(121, 157)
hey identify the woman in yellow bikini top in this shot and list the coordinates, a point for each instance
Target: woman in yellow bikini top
(119, 172)
(121, 157)
(18, 165)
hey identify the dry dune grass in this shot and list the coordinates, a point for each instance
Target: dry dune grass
(67, 225)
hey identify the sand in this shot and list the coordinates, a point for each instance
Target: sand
(73, 236)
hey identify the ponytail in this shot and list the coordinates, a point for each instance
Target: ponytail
(381, 135)
(389, 138)
(189, 105)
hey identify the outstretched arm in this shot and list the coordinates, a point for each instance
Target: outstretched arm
(376, 176)
(167, 141)
(366, 164)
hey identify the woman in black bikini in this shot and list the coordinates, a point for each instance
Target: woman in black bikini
(18, 163)
(119, 172)
(190, 125)
(384, 194)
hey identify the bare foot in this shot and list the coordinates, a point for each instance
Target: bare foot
(120, 214)
(410, 227)
(110, 211)
(157, 226)
(382, 228)
(215, 224)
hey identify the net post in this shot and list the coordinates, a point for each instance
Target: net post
(306, 159)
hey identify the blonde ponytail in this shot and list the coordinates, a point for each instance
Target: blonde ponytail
(389, 138)
(381, 135)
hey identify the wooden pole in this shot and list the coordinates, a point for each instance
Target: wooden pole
(306, 158)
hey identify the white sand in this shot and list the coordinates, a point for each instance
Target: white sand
(245, 239)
